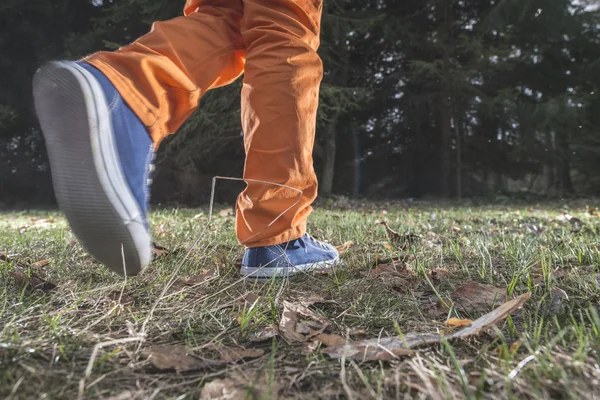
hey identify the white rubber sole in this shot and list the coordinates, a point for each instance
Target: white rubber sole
(283, 272)
(88, 180)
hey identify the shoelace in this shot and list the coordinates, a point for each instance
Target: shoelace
(313, 241)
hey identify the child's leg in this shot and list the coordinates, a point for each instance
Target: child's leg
(279, 105)
(101, 125)
(163, 74)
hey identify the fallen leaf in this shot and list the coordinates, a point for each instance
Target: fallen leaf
(477, 297)
(263, 333)
(292, 331)
(41, 263)
(313, 299)
(391, 347)
(388, 246)
(239, 388)
(556, 301)
(394, 268)
(223, 389)
(397, 239)
(248, 298)
(118, 298)
(175, 357)
(159, 251)
(330, 339)
(235, 354)
(344, 248)
(197, 279)
(31, 281)
(458, 322)
(226, 212)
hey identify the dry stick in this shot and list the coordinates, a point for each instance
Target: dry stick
(343, 371)
(15, 388)
(90, 366)
(124, 274)
(210, 214)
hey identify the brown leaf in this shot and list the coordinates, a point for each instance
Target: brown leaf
(388, 246)
(344, 248)
(198, 279)
(248, 298)
(223, 389)
(477, 297)
(313, 299)
(557, 297)
(159, 251)
(226, 212)
(41, 263)
(330, 339)
(31, 281)
(397, 239)
(175, 357)
(458, 322)
(235, 354)
(396, 267)
(263, 333)
(386, 348)
(294, 331)
(239, 388)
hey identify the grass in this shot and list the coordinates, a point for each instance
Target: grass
(549, 349)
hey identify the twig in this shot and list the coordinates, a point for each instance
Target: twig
(90, 366)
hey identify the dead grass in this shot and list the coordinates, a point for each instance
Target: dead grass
(93, 336)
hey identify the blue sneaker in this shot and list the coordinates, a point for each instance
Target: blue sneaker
(282, 260)
(100, 157)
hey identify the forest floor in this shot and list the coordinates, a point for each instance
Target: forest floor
(190, 328)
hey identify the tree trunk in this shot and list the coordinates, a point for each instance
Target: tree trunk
(445, 105)
(445, 156)
(550, 165)
(357, 161)
(564, 164)
(458, 157)
(329, 160)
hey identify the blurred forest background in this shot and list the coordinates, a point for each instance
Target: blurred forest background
(420, 98)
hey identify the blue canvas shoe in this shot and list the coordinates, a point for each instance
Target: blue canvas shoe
(282, 260)
(100, 157)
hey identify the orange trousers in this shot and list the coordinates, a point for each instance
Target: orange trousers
(163, 75)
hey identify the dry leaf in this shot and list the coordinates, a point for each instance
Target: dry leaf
(292, 330)
(383, 348)
(159, 251)
(557, 297)
(197, 279)
(31, 281)
(458, 322)
(263, 333)
(41, 263)
(223, 389)
(477, 297)
(330, 339)
(344, 248)
(235, 354)
(397, 239)
(388, 246)
(240, 388)
(226, 212)
(175, 357)
(248, 298)
(396, 268)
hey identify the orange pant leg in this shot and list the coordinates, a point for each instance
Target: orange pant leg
(163, 75)
(279, 106)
